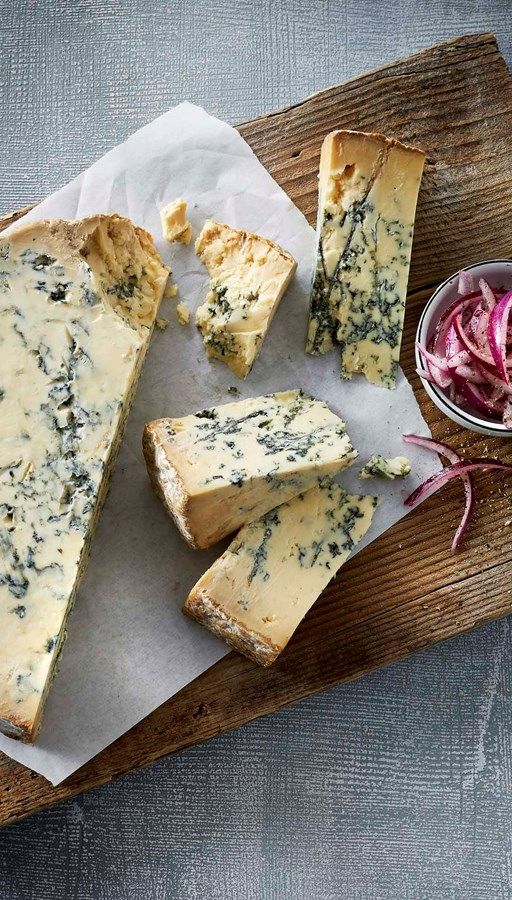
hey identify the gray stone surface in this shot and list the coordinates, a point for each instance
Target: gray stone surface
(396, 787)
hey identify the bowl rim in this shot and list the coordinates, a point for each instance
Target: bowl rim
(441, 400)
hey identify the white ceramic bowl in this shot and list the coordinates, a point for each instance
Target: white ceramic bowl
(498, 272)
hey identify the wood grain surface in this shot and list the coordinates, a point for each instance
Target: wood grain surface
(455, 101)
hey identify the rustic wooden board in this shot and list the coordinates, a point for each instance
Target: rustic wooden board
(454, 100)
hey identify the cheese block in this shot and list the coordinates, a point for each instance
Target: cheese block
(368, 190)
(380, 467)
(77, 305)
(249, 275)
(175, 226)
(255, 595)
(222, 467)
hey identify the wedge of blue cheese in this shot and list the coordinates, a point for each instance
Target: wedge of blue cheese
(78, 301)
(368, 189)
(249, 275)
(380, 467)
(222, 467)
(256, 594)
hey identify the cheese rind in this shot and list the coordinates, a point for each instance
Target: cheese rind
(368, 189)
(256, 594)
(77, 305)
(249, 275)
(224, 466)
(175, 226)
(380, 467)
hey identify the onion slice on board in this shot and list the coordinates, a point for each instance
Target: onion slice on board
(469, 488)
(436, 481)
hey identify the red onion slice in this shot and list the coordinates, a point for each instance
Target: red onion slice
(479, 355)
(488, 294)
(474, 397)
(497, 334)
(436, 481)
(436, 367)
(443, 326)
(423, 373)
(452, 344)
(469, 489)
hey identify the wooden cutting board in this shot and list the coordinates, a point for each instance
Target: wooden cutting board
(406, 591)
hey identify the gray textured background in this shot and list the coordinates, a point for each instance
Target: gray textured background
(396, 787)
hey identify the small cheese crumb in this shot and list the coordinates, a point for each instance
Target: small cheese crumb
(174, 222)
(162, 324)
(183, 313)
(171, 291)
(378, 466)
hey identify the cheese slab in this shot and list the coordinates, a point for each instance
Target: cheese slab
(256, 594)
(368, 189)
(78, 302)
(222, 467)
(249, 276)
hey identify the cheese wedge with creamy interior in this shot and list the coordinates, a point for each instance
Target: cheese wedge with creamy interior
(368, 189)
(78, 301)
(248, 277)
(256, 594)
(224, 466)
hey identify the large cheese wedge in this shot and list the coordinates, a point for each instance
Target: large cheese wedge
(368, 189)
(257, 592)
(224, 466)
(77, 305)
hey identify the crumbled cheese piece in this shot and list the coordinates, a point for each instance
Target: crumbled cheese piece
(174, 222)
(255, 595)
(162, 324)
(183, 313)
(378, 466)
(171, 291)
(223, 466)
(78, 301)
(368, 189)
(249, 275)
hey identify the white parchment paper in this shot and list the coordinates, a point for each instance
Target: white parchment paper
(129, 647)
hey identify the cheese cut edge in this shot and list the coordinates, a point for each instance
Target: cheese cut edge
(203, 609)
(166, 481)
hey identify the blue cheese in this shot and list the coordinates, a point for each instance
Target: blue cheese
(249, 275)
(256, 594)
(368, 189)
(77, 305)
(380, 467)
(224, 466)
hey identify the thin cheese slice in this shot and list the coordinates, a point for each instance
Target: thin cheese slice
(367, 201)
(224, 466)
(249, 275)
(78, 302)
(256, 594)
